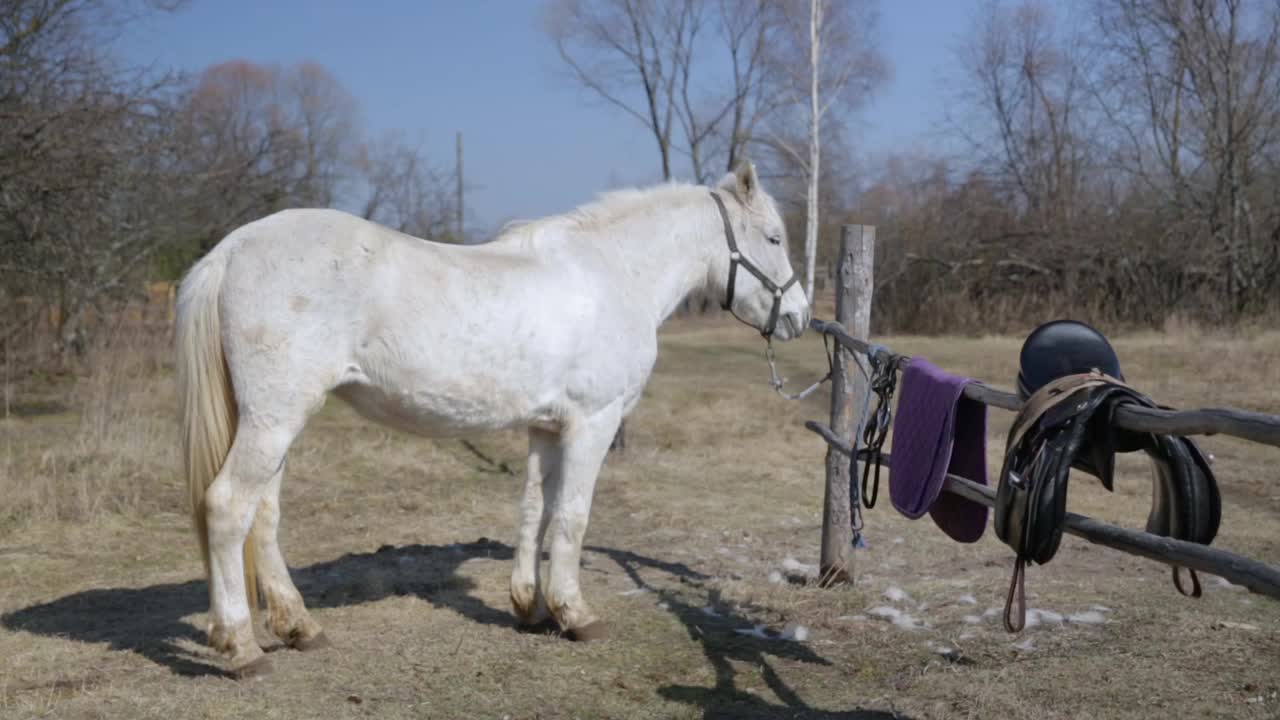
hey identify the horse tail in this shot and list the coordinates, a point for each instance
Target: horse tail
(206, 399)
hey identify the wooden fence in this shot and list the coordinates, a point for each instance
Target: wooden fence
(853, 312)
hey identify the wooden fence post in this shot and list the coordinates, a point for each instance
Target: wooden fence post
(853, 311)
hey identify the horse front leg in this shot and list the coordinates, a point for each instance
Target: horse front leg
(541, 491)
(583, 447)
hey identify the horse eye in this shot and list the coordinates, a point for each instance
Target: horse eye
(775, 239)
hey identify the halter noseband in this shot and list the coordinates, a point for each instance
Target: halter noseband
(736, 258)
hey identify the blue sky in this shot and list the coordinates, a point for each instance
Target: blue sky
(535, 144)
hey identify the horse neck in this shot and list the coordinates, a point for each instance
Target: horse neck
(667, 255)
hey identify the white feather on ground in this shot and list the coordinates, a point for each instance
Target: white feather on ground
(1036, 616)
(1235, 625)
(968, 600)
(792, 565)
(942, 649)
(1221, 582)
(799, 633)
(1088, 617)
(897, 617)
(893, 593)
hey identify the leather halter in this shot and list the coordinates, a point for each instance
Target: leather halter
(736, 258)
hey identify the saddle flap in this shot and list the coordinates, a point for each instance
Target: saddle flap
(1186, 503)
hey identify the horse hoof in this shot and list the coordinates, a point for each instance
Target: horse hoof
(254, 669)
(591, 631)
(319, 641)
(546, 626)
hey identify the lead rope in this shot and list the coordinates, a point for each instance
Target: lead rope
(874, 386)
(778, 382)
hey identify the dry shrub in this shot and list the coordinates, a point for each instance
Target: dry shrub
(116, 452)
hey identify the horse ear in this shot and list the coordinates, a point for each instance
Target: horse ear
(742, 182)
(747, 182)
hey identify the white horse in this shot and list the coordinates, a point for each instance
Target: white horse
(552, 326)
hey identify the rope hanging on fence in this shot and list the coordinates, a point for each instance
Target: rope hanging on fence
(883, 382)
(855, 496)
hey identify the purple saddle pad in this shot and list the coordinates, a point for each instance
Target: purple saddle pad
(937, 431)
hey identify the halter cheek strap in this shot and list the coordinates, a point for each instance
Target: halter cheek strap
(736, 258)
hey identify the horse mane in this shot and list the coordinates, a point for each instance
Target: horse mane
(604, 210)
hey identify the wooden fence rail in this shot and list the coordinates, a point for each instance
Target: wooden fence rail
(855, 271)
(1255, 427)
(1258, 577)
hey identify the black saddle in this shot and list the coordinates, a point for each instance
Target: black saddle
(1070, 379)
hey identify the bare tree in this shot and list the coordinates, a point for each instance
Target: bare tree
(615, 48)
(403, 191)
(324, 120)
(1194, 86)
(262, 138)
(83, 200)
(1027, 81)
(660, 61)
(109, 176)
(748, 28)
(825, 57)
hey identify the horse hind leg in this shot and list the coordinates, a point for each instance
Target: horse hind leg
(287, 616)
(232, 502)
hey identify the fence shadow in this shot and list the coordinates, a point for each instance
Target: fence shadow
(722, 646)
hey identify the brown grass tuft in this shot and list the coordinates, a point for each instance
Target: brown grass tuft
(100, 442)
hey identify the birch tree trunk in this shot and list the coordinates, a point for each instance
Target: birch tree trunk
(811, 213)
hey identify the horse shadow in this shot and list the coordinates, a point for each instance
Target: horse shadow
(152, 621)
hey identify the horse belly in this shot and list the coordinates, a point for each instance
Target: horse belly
(447, 410)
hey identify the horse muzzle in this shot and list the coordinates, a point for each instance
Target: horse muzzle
(791, 326)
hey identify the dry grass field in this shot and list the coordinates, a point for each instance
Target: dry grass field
(702, 528)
